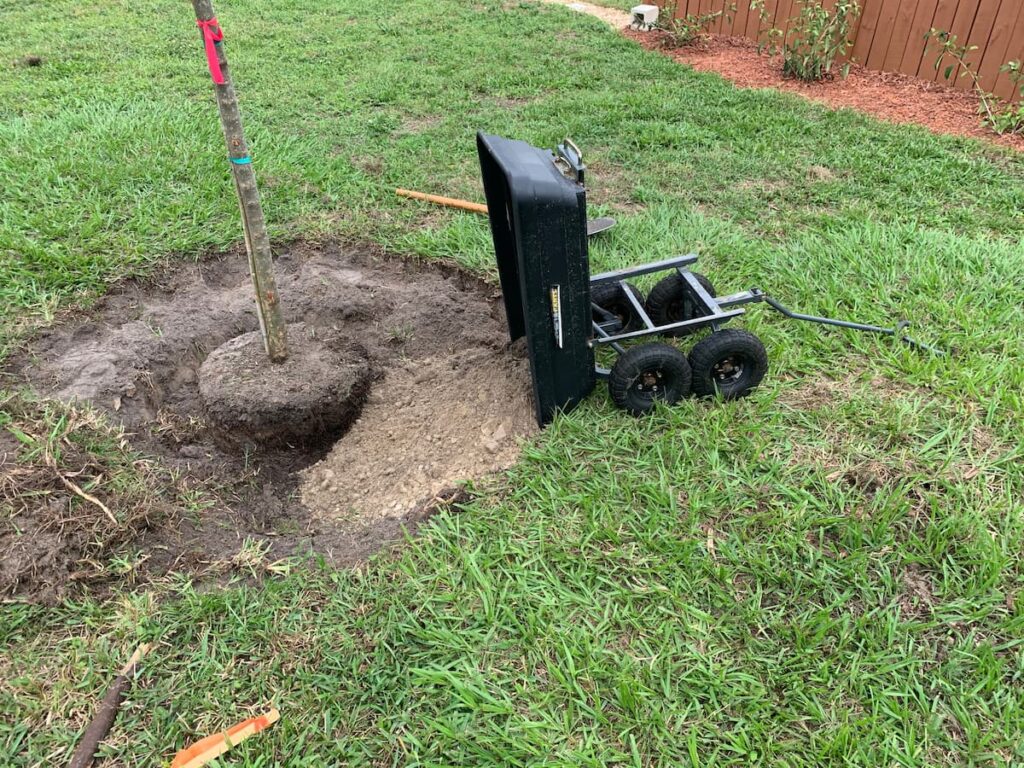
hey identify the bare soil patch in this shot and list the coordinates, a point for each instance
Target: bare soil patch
(448, 400)
(893, 97)
(424, 449)
(611, 16)
(917, 596)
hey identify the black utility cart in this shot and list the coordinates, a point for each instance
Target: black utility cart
(538, 215)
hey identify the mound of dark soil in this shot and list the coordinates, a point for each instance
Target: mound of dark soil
(447, 400)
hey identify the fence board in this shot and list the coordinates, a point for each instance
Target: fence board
(866, 30)
(883, 34)
(770, 7)
(942, 19)
(1004, 88)
(913, 51)
(963, 20)
(739, 19)
(979, 34)
(986, 35)
(753, 29)
(727, 23)
(784, 13)
(718, 26)
(906, 12)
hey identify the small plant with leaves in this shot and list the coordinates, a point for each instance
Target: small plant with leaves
(772, 37)
(1010, 118)
(691, 28)
(817, 38)
(1002, 117)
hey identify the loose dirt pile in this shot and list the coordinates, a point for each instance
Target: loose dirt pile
(435, 422)
(448, 400)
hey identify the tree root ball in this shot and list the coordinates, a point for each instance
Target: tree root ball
(307, 400)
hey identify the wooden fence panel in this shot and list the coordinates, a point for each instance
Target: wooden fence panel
(913, 51)
(872, 10)
(963, 20)
(753, 27)
(943, 19)
(890, 34)
(899, 39)
(884, 35)
(1014, 51)
(995, 38)
(784, 15)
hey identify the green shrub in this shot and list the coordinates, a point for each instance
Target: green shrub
(1003, 117)
(818, 37)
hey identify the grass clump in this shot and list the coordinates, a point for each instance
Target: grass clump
(72, 493)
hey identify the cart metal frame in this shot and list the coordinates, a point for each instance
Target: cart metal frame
(712, 311)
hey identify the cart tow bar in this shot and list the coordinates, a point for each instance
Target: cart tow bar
(757, 294)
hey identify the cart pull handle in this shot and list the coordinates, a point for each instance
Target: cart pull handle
(897, 331)
(572, 145)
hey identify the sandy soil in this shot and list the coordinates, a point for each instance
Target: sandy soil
(448, 400)
(428, 425)
(611, 16)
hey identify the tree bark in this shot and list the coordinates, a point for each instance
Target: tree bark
(257, 242)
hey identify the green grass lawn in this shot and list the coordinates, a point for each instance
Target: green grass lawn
(827, 573)
(619, 5)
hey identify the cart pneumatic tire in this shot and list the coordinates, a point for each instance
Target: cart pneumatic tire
(728, 363)
(668, 302)
(611, 298)
(648, 374)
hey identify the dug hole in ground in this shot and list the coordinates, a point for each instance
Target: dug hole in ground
(400, 384)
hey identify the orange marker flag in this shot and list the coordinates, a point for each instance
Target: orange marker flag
(205, 750)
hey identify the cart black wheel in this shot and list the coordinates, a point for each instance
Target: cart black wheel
(729, 363)
(647, 374)
(669, 303)
(611, 298)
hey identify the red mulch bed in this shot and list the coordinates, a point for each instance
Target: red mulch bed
(892, 97)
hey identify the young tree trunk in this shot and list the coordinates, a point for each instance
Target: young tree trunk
(257, 242)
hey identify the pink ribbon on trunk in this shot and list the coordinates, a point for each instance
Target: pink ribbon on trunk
(212, 34)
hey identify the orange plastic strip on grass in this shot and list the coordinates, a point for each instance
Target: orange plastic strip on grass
(450, 202)
(202, 752)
